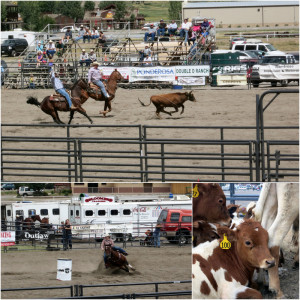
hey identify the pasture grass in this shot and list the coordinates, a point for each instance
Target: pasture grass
(153, 10)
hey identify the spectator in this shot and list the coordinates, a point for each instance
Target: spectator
(151, 32)
(84, 58)
(144, 52)
(147, 61)
(156, 236)
(40, 47)
(50, 49)
(95, 33)
(18, 228)
(92, 57)
(205, 24)
(68, 235)
(59, 88)
(60, 48)
(172, 28)
(95, 76)
(87, 35)
(40, 58)
(80, 33)
(68, 34)
(107, 241)
(161, 28)
(191, 37)
(185, 26)
(98, 13)
(102, 38)
(31, 82)
(203, 36)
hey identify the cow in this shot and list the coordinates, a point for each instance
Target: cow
(204, 232)
(209, 204)
(174, 100)
(278, 211)
(226, 273)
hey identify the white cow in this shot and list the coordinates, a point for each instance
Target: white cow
(277, 209)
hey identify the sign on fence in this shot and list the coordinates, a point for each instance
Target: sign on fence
(36, 235)
(192, 71)
(153, 73)
(191, 81)
(8, 238)
(231, 79)
(281, 71)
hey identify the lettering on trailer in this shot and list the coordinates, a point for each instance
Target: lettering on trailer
(8, 238)
(141, 209)
(98, 199)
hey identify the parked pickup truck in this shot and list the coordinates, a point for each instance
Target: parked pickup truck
(176, 225)
(275, 68)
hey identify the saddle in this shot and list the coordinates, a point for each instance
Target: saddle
(95, 88)
(59, 97)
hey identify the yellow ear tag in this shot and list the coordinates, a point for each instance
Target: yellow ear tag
(195, 191)
(225, 244)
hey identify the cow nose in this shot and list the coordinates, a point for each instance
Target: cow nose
(270, 263)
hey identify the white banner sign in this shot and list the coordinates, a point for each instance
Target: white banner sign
(8, 238)
(231, 79)
(153, 73)
(195, 71)
(280, 72)
(124, 71)
(191, 81)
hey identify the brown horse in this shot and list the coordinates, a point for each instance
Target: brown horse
(117, 259)
(28, 223)
(111, 88)
(51, 107)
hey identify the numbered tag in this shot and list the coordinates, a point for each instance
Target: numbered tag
(195, 191)
(225, 244)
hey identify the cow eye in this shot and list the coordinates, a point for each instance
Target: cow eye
(220, 200)
(248, 243)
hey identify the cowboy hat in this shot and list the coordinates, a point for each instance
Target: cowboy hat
(83, 50)
(95, 63)
(50, 41)
(92, 50)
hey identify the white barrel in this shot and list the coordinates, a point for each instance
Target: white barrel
(64, 269)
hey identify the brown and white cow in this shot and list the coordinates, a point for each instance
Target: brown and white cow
(204, 232)
(209, 204)
(225, 273)
(174, 100)
(278, 211)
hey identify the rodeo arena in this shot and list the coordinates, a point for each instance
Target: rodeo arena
(214, 113)
(157, 265)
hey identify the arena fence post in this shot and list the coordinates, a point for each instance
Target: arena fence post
(163, 176)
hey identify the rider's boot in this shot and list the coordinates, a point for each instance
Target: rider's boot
(106, 266)
(73, 107)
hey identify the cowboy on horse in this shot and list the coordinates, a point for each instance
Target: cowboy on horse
(95, 75)
(59, 88)
(107, 241)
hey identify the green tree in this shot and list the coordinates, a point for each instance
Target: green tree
(49, 6)
(175, 10)
(3, 11)
(37, 186)
(104, 4)
(71, 9)
(30, 10)
(89, 5)
(120, 10)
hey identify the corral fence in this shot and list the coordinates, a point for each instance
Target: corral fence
(77, 291)
(136, 153)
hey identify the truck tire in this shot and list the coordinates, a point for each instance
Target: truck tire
(255, 84)
(274, 83)
(13, 53)
(183, 237)
(25, 195)
(284, 82)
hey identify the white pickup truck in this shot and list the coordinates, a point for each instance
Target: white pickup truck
(276, 68)
(25, 191)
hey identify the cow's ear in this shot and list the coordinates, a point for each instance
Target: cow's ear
(191, 92)
(186, 93)
(232, 210)
(198, 224)
(231, 234)
(116, 69)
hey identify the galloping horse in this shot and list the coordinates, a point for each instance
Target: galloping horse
(50, 106)
(117, 259)
(111, 88)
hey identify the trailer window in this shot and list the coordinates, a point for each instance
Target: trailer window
(55, 211)
(71, 212)
(89, 213)
(175, 217)
(186, 219)
(239, 47)
(114, 212)
(31, 212)
(126, 212)
(77, 213)
(8, 212)
(20, 212)
(44, 212)
(101, 212)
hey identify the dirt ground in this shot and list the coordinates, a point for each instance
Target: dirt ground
(39, 269)
(228, 106)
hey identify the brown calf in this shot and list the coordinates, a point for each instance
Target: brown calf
(175, 100)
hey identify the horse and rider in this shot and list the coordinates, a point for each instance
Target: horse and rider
(80, 91)
(114, 256)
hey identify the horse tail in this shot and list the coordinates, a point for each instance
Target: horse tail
(33, 101)
(144, 103)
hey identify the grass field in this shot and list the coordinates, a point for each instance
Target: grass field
(153, 10)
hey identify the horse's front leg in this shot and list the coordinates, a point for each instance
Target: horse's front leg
(83, 112)
(71, 116)
(107, 105)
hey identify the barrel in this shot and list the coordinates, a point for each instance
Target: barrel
(64, 269)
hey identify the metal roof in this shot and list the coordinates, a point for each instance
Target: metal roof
(222, 4)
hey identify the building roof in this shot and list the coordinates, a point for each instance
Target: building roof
(223, 4)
